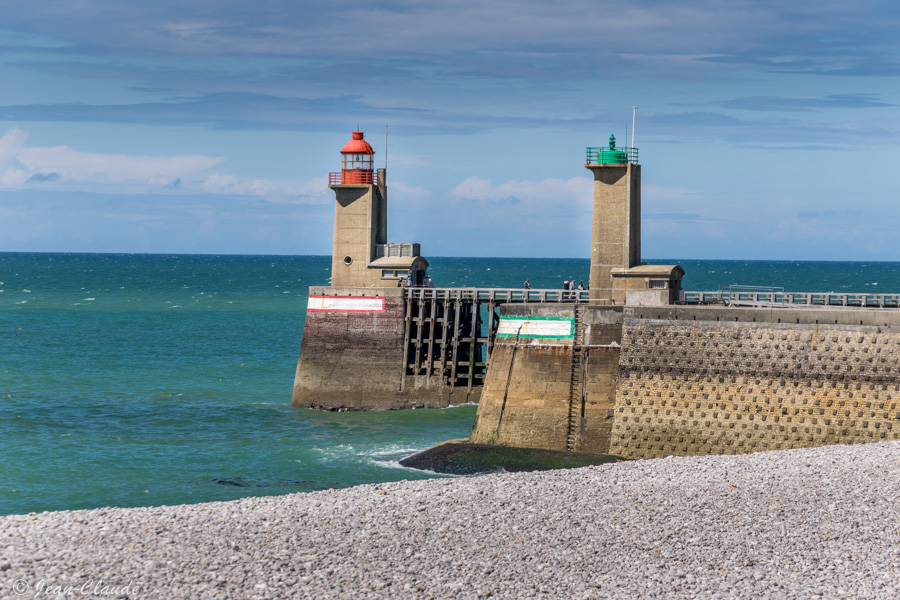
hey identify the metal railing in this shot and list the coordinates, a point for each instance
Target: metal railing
(356, 177)
(776, 298)
(396, 250)
(725, 296)
(598, 155)
(496, 295)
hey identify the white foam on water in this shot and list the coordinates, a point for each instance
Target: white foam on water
(393, 449)
(330, 452)
(392, 464)
(458, 405)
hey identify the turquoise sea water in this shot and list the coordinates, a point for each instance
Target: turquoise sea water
(133, 380)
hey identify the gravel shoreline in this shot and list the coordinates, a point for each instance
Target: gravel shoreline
(808, 523)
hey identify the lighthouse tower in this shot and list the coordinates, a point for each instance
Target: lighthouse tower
(361, 255)
(617, 274)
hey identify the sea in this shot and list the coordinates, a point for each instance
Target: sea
(139, 380)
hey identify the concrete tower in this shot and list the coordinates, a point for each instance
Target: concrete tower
(616, 231)
(360, 214)
(361, 255)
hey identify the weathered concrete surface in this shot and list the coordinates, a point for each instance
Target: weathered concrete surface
(360, 222)
(528, 388)
(616, 227)
(354, 360)
(704, 380)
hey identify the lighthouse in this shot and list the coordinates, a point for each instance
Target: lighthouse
(618, 276)
(361, 255)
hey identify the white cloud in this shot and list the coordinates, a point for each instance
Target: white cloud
(314, 191)
(529, 197)
(61, 168)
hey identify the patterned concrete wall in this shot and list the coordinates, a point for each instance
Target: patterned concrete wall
(714, 381)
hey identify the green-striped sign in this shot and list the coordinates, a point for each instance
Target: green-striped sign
(536, 327)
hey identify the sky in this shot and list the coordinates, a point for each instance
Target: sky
(765, 129)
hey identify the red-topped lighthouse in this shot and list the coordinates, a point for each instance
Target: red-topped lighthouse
(362, 256)
(357, 160)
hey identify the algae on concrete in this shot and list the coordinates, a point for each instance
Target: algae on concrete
(459, 457)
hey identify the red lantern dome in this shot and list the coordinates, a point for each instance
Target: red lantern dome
(357, 158)
(357, 145)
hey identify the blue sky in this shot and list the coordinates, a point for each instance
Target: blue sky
(767, 130)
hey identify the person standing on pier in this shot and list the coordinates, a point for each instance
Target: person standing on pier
(527, 285)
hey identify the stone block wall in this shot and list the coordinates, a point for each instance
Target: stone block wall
(528, 393)
(351, 360)
(726, 381)
(525, 398)
(352, 356)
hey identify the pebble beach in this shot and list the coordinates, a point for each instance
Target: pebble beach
(807, 523)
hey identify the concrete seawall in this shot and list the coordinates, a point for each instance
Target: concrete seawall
(726, 381)
(353, 352)
(528, 397)
(650, 382)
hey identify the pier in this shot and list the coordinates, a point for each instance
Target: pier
(438, 337)
(636, 366)
(450, 332)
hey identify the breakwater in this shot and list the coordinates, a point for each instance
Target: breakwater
(683, 380)
(395, 348)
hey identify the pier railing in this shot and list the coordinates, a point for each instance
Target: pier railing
(599, 155)
(776, 298)
(497, 295)
(726, 296)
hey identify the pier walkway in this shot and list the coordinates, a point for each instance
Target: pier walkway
(449, 332)
(774, 299)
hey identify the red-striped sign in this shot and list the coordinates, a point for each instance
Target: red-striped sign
(345, 304)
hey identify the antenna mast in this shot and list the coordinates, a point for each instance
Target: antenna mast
(385, 146)
(633, 116)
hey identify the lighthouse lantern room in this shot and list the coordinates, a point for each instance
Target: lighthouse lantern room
(357, 159)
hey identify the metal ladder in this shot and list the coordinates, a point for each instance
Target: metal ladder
(576, 381)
